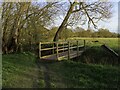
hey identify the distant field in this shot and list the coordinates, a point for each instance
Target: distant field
(111, 42)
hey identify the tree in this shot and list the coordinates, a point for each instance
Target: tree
(90, 12)
(66, 33)
(23, 18)
(12, 19)
(104, 33)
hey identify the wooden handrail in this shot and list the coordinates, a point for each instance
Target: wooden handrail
(53, 42)
(45, 49)
(63, 49)
(58, 48)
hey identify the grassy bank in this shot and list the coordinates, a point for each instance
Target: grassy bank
(71, 74)
(19, 70)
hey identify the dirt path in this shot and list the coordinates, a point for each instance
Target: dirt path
(44, 68)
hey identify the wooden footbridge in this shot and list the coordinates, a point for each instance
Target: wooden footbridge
(60, 50)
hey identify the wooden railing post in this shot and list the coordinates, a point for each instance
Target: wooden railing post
(68, 50)
(77, 49)
(57, 50)
(53, 48)
(84, 45)
(63, 47)
(40, 50)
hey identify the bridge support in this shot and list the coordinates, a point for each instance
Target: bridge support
(68, 50)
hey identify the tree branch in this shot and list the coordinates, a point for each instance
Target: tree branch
(90, 19)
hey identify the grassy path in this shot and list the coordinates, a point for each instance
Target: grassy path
(45, 70)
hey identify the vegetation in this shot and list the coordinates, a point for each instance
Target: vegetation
(98, 70)
(29, 23)
(25, 24)
(20, 71)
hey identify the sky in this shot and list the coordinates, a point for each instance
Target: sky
(110, 24)
(119, 17)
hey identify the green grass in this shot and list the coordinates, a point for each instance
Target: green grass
(112, 42)
(19, 70)
(98, 55)
(69, 74)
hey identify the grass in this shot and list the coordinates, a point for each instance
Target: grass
(96, 71)
(70, 74)
(97, 55)
(19, 70)
(112, 42)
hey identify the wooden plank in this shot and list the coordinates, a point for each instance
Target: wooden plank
(84, 45)
(68, 50)
(72, 55)
(81, 46)
(45, 49)
(62, 56)
(54, 42)
(53, 49)
(63, 46)
(47, 56)
(73, 47)
(40, 50)
(77, 49)
(63, 49)
(57, 54)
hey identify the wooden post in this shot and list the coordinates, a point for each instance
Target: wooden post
(57, 50)
(84, 45)
(68, 50)
(53, 48)
(77, 49)
(40, 50)
(63, 47)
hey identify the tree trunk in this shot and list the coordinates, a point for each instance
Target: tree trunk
(62, 26)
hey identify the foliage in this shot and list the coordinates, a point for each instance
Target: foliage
(24, 23)
(91, 73)
(105, 33)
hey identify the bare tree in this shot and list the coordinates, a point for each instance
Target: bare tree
(82, 12)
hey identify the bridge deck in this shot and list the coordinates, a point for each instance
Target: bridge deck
(62, 55)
